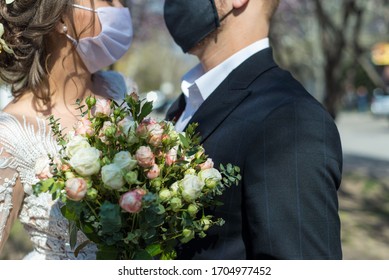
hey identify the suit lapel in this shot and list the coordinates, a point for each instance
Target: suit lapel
(232, 91)
(176, 109)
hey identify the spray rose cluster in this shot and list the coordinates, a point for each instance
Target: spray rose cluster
(133, 185)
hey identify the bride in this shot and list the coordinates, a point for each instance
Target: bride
(51, 53)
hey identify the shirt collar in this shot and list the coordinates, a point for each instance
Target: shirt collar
(208, 82)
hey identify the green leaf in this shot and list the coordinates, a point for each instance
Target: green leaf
(142, 255)
(145, 111)
(154, 249)
(184, 141)
(106, 253)
(110, 217)
(73, 233)
(80, 247)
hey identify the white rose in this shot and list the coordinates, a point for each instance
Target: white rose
(127, 125)
(124, 160)
(86, 161)
(112, 176)
(191, 187)
(76, 143)
(174, 188)
(210, 177)
(42, 168)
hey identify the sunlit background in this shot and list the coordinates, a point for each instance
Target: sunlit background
(329, 47)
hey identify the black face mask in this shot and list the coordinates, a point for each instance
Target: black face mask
(190, 21)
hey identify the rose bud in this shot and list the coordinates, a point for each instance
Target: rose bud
(76, 189)
(206, 223)
(145, 157)
(192, 210)
(175, 204)
(165, 194)
(153, 172)
(131, 201)
(134, 96)
(207, 164)
(188, 235)
(90, 101)
(171, 156)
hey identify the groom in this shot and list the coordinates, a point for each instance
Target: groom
(255, 115)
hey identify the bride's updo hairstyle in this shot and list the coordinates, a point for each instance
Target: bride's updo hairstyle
(28, 25)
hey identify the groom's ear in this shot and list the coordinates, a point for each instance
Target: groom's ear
(237, 4)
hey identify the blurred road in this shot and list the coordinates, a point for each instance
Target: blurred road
(364, 135)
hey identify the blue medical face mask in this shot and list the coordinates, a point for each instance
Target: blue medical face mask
(190, 21)
(113, 41)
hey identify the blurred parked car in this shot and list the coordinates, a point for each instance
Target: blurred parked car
(380, 103)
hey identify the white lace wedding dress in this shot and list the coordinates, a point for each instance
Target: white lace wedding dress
(23, 146)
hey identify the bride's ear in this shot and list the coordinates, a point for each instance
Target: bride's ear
(61, 27)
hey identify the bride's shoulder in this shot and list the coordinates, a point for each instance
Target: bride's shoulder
(17, 110)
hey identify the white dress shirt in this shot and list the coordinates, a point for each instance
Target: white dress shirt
(197, 86)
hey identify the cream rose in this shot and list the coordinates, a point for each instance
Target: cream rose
(124, 160)
(126, 125)
(76, 143)
(191, 187)
(86, 161)
(210, 177)
(112, 176)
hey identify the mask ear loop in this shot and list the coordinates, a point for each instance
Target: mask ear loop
(226, 15)
(216, 15)
(74, 41)
(84, 8)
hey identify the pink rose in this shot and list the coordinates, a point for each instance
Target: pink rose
(207, 165)
(142, 130)
(65, 167)
(171, 156)
(153, 172)
(42, 168)
(131, 201)
(102, 107)
(84, 127)
(152, 129)
(76, 188)
(155, 133)
(145, 157)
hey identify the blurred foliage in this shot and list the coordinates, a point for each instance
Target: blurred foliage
(327, 44)
(18, 244)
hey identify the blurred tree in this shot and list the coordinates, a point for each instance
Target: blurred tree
(324, 42)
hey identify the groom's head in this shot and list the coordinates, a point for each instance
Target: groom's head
(194, 24)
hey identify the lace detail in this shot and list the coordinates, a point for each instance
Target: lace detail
(26, 146)
(6, 200)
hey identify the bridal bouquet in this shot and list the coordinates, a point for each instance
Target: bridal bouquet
(133, 185)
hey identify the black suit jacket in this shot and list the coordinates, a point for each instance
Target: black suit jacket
(288, 147)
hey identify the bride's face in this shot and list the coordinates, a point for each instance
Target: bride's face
(86, 22)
